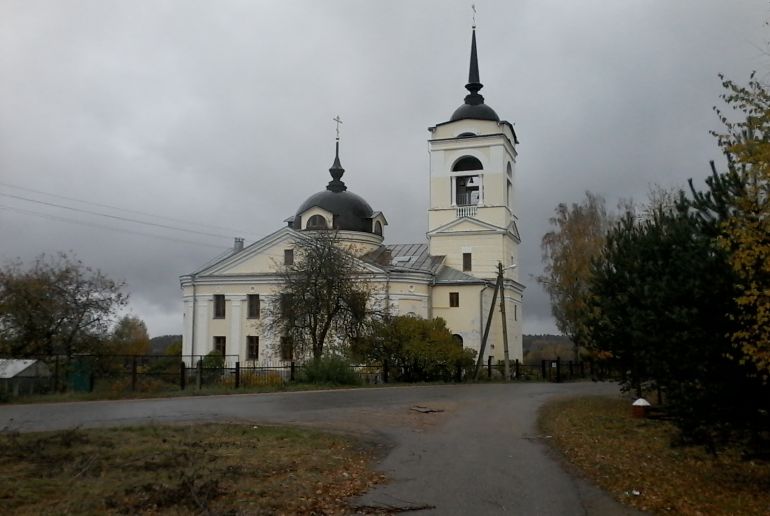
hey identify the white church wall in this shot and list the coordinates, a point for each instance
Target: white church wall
(269, 260)
(464, 319)
(486, 251)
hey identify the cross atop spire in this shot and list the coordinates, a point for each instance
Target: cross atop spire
(339, 121)
(336, 184)
(473, 6)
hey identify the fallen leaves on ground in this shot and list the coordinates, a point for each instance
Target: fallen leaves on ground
(635, 461)
(194, 469)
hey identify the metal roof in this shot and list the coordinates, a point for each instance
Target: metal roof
(413, 257)
(10, 367)
(450, 275)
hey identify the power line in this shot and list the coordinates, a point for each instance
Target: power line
(137, 212)
(100, 226)
(115, 217)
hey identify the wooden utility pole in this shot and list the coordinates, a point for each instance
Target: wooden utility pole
(483, 348)
(507, 361)
(499, 287)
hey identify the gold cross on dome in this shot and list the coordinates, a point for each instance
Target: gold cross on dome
(339, 121)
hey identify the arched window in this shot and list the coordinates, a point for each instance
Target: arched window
(465, 135)
(378, 228)
(458, 339)
(467, 163)
(316, 222)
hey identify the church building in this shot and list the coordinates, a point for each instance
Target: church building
(472, 233)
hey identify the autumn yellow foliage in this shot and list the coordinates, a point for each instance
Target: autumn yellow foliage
(746, 233)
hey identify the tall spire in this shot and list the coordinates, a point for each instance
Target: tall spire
(473, 73)
(474, 107)
(336, 184)
(474, 83)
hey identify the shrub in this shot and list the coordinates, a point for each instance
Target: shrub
(415, 349)
(329, 370)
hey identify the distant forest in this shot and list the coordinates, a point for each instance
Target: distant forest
(547, 347)
(159, 345)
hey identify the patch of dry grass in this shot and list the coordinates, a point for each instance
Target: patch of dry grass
(633, 459)
(197, 469)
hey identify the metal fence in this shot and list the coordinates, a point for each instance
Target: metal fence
(547, 370)
(115, 375)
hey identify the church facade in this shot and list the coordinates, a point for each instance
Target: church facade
(472, 232)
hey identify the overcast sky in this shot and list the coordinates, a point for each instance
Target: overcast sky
(200, 114)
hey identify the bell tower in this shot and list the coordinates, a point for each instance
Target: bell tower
(472, 217)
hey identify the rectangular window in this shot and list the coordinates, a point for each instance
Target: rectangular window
(467, 261)
(287, 348)
(219, 306)
(515, 312)
(285, 307)
(220, 345)
(288, 256)
(252, 345)
(454, 299)
(253, 310)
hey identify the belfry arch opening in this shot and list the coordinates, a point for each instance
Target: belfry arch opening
(467, 163)
(467, 187)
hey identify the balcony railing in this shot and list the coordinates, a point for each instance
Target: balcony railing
(466, 211)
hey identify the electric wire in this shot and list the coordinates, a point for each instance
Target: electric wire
(126, 210)
(115, 217)
(101, 226)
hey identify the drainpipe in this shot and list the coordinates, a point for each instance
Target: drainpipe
(481, 312)
(431, 284)
(387, 295)
(194, 310)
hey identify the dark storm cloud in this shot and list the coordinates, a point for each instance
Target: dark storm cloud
(220, 114)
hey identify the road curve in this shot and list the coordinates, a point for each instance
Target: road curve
(478, 453)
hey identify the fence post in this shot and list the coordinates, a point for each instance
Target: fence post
(237, 374)
(291, 371)
(385, 371)
(558, 369)
(543, 369)
(571, 371)
(489, 367)
(133, 373)
(199, 375)
(56, 375)
(516, 369)
(182, 375)
(582, 369)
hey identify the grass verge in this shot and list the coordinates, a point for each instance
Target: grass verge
(209, 468)
(633, 460)
(176, 393)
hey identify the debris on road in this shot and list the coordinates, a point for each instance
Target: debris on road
(425, 410)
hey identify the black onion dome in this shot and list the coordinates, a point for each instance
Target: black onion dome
(474, 107)
(475, 112)
(351, 212)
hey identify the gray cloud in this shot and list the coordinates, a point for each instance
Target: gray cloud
(220, 114)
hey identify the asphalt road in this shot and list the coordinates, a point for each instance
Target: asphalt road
(478, 453)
